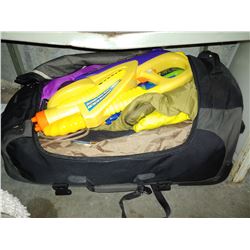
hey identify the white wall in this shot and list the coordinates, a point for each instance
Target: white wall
(240, 68)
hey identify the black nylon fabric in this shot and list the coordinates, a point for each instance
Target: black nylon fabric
(21, 107)
(30, 78)
(219, 90)
(172, 166)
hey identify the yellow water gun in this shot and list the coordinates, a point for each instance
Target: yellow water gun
(88, 102)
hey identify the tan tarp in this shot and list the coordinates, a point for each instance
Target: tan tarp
(146, 141)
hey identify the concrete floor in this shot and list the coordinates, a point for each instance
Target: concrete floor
(221, 200)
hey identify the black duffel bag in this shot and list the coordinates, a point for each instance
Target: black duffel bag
(204, 158)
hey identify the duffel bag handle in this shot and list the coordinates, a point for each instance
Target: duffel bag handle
(143, 189)
(212, 61)
(29, 79)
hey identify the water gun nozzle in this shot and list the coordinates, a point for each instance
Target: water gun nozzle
(34, 119)
(40, 121)
(37, 128)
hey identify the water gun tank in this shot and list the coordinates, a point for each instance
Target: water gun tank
(87, 103)
(82, 103)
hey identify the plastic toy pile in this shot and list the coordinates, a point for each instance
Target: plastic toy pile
(142, 93)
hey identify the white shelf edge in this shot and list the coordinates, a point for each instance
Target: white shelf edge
(128, 40)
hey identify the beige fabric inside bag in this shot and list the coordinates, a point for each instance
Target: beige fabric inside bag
(143, 142)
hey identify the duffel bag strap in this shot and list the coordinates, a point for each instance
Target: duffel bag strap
(142, 189)
(161, 199)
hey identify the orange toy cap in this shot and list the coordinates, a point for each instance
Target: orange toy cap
(41, 120)
(37, 128)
